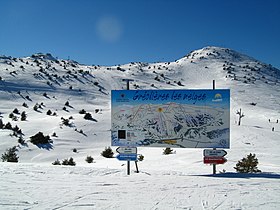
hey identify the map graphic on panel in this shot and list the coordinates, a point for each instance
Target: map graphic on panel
(171, 118)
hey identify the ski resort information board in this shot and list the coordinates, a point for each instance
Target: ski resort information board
(171, 118)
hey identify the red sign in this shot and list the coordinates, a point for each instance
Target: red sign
(214, 160)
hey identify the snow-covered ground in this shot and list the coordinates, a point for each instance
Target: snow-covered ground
(176, 181)
(25, 186)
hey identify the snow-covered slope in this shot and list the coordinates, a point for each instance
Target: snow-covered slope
(66, 87)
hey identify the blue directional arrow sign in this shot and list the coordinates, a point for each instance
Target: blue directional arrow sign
(127, 157)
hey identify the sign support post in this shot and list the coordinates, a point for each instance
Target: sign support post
(214, 157)
(128, 162)
(214, 165)
(128, 167)
(137, 171)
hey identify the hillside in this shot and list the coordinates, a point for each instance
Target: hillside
(42, 83)
(51, 83)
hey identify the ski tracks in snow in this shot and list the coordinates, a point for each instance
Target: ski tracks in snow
(57, 187)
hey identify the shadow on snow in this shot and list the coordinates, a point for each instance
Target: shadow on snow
(244, 175)
(47, 146)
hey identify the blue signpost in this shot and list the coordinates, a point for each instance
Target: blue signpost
(127, 157)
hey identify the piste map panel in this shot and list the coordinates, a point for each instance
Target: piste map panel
(171, 118)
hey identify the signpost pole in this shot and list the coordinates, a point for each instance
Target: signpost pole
(128, 162)
(137, 171)
(214, 165)
(128, 167)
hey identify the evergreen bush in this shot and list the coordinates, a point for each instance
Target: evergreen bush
(10, 155)
(107, 153)
(8, 126)
(88, 116)
(35, 107)
(65, 122)
(141, 157)
(11, 115)
(25, 105)
(89, 159)
(39, 138)
(1, 124)
(21, 141)
(23, 116)
(167, 151)
(57, 162)
(248, 164)
(82, 111)
(69, 162)
(49, 112)
(16, 111)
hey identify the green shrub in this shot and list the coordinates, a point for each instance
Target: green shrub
(167, 151)
(35, 107)
(25, 105)
(49, 112)
(248, 164)
(69, 162)
(88, 116)
(11, 115)
(57, 162)
(89, 159)
(23, 116)
(65, 122)
(141, 157)
(107, 153)
(16, 111)
(8, 126)
(1, 124)
(39, 138)
(21, 140)
(82, 111)
(10, 155)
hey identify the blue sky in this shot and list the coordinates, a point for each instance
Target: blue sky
(110, 32)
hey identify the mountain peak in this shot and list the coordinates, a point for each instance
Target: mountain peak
(46, 56)
(218, 53)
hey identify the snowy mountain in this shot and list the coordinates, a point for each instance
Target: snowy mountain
(55, 94)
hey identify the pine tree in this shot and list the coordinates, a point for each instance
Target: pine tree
(248, 164)
(167, 151)
(10, 155)
(107, 153)
(1, 124)
(88, 116)
(69, 162)
(39, 138)
(23, 116)
(89, 159)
